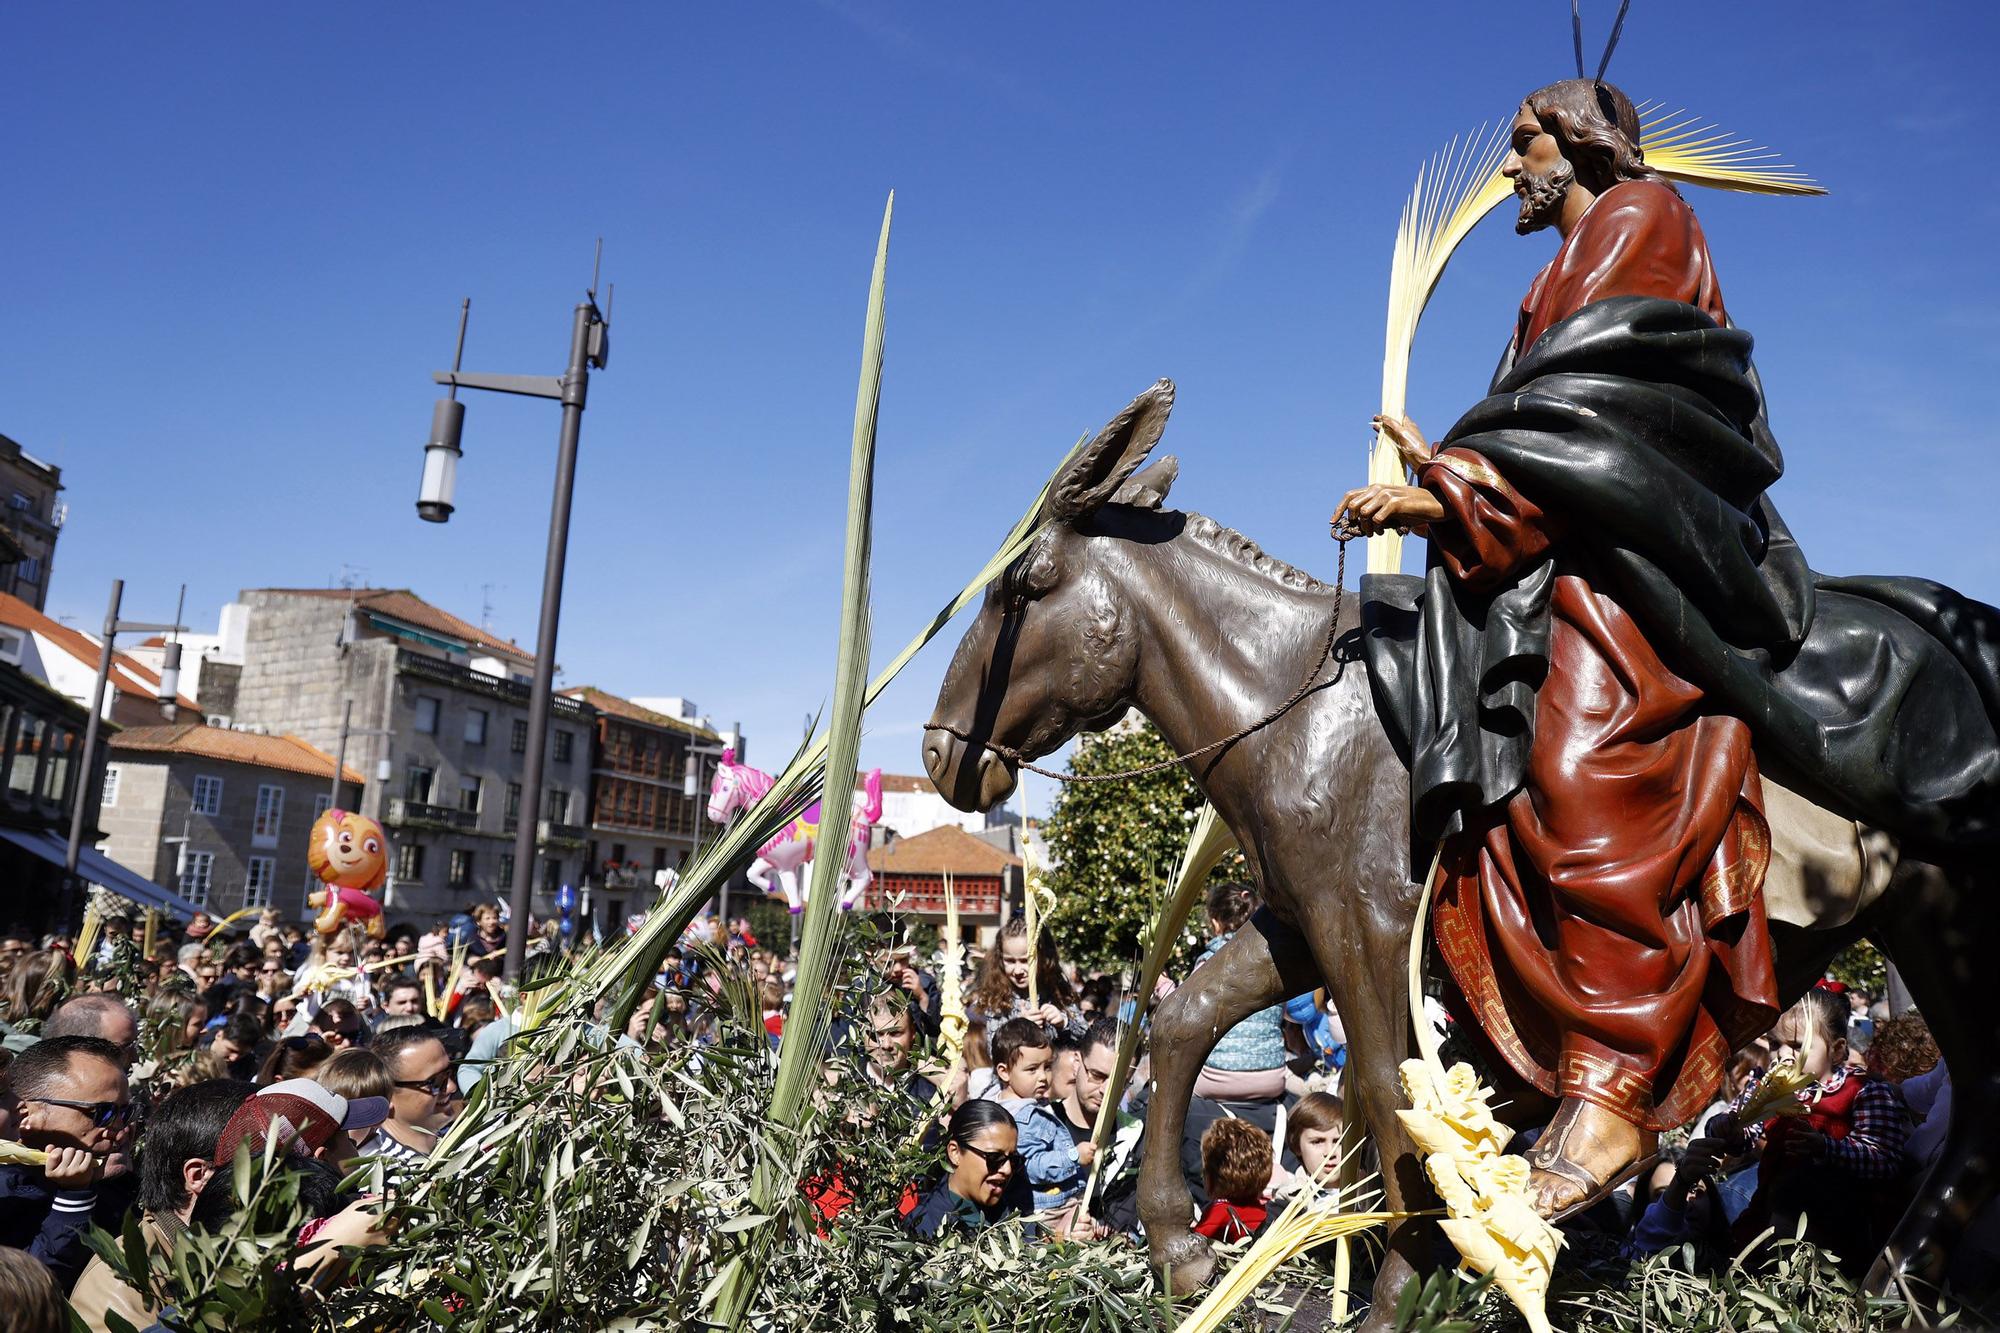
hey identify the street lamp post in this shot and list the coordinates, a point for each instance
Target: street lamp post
(170, 684)
(589, 345)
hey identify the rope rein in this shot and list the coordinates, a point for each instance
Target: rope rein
(1341, 534)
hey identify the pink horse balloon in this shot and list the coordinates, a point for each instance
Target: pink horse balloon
(739, 786)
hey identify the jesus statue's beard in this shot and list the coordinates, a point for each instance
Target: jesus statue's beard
(1542, 196)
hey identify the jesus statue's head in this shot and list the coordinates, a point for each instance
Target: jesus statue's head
(1575, 132)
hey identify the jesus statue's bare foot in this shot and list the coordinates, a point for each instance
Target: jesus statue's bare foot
(1584, 1154)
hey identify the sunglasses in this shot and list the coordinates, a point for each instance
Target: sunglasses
(995, 1158)
(434, 1086)
(102, 1114)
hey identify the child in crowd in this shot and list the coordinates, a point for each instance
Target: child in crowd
(1841, 1164)
(772, 996)
(1055, 1163)
(1235, 1168)
(1312, 1136)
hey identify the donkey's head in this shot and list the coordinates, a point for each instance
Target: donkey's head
(1055, 648)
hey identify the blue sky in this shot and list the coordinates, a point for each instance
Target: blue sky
(237, 236)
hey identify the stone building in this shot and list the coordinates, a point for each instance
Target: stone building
(453, 699)
(31, 517)
(221, 816)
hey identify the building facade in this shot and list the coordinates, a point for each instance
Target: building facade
(220, 816)
(32, 518)
(642, 821)
(66, 660)
(911, 873)
(451, 700)
(41, 744)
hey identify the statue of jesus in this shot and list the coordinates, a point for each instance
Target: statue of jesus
(1603, 917)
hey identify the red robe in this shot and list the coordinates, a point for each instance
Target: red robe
(1606, 925)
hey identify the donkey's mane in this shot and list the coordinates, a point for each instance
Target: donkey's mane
(1233, 545)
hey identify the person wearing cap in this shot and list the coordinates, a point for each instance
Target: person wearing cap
(175, 1162)
(306, 1118)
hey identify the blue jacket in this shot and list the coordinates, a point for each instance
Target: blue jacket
(49, 1225)
(1048, 1152)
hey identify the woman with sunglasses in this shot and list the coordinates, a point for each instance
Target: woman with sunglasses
(985, 1183)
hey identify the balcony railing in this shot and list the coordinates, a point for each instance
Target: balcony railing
(437, 816)
(465, 678)
(548, 831)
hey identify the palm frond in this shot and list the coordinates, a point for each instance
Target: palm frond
(1312, 1218)
(1685, 148)
(1461, 185)
(1454, 190)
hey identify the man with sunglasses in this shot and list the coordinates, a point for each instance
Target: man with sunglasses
(419, 1103)
(76, 1107)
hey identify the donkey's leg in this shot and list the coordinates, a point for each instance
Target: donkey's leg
(1362, 946)
(1943, 932)
(1265, 963)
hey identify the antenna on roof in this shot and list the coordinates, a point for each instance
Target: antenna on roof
(596, 266)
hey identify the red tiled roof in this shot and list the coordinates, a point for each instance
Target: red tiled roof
(945, 850)
(404, 605)
(903, 782)
(127, 675)
(286, 753)
(625, 708)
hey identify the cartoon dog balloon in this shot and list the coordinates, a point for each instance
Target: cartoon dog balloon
(351, 857)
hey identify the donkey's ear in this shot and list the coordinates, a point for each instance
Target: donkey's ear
(1149, 485)
(1091, 478)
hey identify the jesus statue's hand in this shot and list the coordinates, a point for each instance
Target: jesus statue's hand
(1378, 508)
(1409, 441)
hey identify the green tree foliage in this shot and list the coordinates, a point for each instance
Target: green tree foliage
(1114, 845)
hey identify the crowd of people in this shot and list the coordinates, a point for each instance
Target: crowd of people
(140, 1074)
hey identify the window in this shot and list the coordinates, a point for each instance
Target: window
(461, 869)
(29, 570)
(519, 743)
(410, 861)
(257, 888)
(197, 869)
(27, 755)
(18, 501)
(417, 784)
(270, 813)
(475, 726)
(110, 786)
(555, 806)
(551, 875)
(11, 641)
(207, 795)
(321, 804)
(468, 795)
(659, 859)
(506, 870)
(618, 852)
(427, 715)
(564, 743)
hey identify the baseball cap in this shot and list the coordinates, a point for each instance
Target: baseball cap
(306, 1116)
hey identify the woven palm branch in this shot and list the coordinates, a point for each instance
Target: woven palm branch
(1461, 185)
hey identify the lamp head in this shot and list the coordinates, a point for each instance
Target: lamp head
(441, 455)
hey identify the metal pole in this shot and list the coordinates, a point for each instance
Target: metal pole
(340, 754)
(75, 847)
(576, 387)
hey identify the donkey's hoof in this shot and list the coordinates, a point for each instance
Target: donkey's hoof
(1188, 1263)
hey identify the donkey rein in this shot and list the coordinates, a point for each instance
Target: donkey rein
(1342, 535)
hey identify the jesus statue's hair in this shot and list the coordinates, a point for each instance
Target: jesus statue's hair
(1599, 130)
